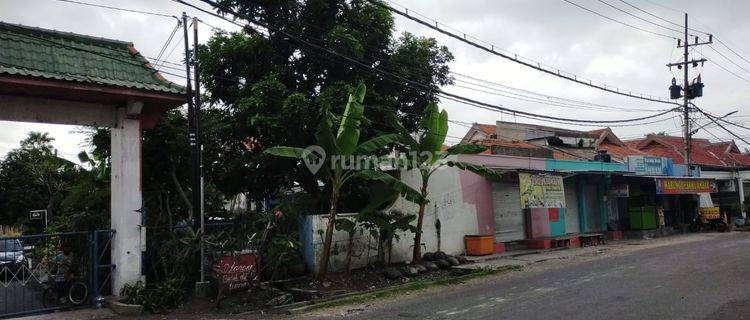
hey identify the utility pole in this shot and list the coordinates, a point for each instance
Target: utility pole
(199, 142)
(688, 91)
(685, 107)
(192, 132)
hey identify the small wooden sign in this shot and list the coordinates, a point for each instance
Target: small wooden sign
(235, 272)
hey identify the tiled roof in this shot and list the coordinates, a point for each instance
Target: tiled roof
(50, 54)
(487, 128)
(703, 152)
(506, 143)
(619, 153)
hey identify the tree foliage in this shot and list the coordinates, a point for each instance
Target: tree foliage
(275, 90)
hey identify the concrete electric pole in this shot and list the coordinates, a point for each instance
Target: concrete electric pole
(688, 91)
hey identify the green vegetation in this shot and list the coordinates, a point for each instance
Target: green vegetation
(344, 145)
(429, 157)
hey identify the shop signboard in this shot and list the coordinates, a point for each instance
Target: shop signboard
(649, 166)
(710, 213)
(685, 186)
(541, 190)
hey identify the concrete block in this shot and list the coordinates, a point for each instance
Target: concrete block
(202, 289)
(538, 243)
(498, 247)
(575, 242)
(614, 235)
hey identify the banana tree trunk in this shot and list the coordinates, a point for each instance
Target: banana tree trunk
(323, 262)
(417, 253)
(349, 252)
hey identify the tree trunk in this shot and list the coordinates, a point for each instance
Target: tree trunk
(417, 253)
(323, 263)
(169, 210)
(349, 251)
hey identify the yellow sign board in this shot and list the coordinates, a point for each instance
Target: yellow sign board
(710, 213)
(541, 190)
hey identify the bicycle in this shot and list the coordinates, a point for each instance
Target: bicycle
(74, 291)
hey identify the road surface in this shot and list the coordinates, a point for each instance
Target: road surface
(703, 279)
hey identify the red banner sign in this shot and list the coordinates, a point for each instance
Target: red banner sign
(685, 186)
(236, 271)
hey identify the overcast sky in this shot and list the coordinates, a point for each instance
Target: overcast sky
(552, 32)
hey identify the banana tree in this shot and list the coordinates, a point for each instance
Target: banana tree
(426, 156)
(329, 155)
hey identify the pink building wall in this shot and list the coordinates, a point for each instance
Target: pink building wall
(477, 190)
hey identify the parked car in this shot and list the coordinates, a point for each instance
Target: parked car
(11, 258)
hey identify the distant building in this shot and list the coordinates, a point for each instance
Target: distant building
(531, 140)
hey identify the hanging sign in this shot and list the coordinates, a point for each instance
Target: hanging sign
(541, 190)
(685, 186)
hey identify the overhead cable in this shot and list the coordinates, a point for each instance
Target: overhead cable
(432, 89)
(537, 66)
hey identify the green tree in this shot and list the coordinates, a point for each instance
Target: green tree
(344, 145)
(275, 90)
(34, 177)
(428, 157)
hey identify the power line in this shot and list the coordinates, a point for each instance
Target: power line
(650, 14)
(710, 117)
(577, 104)
(619, 22)
(177, 44)
(727, 58)
(718, 39)
(121, 9)
(169, 40)
(491, 49)
(573, 123)
(436, 91)
(729, 71)
(637, 17)
(583, 104)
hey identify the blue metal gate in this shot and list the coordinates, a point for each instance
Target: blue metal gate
(47, 272)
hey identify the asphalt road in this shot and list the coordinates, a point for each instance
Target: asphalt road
(706, 279)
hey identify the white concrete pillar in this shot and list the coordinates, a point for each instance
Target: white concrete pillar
(126, 196)
(741, 190)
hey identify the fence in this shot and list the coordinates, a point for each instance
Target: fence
(46, 272)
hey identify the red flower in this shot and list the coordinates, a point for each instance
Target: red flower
(278, 214)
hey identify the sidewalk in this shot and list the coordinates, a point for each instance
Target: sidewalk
(528, 257)
(73, 315)
(531, 256)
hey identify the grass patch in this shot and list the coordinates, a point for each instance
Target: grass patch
(409, 287)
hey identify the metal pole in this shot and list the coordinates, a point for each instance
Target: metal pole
(95, 270)
(199, 143)
(686, 110)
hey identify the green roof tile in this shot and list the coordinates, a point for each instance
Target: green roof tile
(51, 54)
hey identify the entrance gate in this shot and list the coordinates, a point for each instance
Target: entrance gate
(47, 272)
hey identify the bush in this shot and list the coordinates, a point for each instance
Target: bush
(158, 298)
